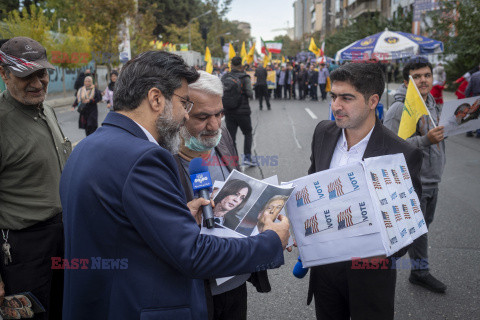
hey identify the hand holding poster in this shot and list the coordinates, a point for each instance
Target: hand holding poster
(460, 116)
(241, 202)
(360, 210)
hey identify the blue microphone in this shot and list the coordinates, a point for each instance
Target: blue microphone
(201, 185)
(299, 271)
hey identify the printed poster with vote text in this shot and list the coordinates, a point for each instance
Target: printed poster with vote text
(360, 210)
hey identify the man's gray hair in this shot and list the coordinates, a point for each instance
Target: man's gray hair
(208, 83)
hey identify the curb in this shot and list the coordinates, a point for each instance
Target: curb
(60, 102)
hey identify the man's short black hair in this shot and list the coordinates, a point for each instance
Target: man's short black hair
(366, 78)
(236, 61)
(415, 64)
(151, 69)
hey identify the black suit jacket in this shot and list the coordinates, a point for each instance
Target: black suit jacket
(382, 142)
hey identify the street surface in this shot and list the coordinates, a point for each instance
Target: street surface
(286, 132)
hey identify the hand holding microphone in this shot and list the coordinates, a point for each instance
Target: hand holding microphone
(201, 185)
(195, 207)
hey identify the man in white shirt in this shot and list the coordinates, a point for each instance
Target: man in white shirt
(340, 291)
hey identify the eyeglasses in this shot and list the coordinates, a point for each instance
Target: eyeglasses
(187, 104)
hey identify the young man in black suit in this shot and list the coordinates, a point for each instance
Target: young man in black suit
(342, 292)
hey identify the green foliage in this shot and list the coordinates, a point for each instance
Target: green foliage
(457, 24)
(72, 48)
(33, 24)
(101, 20)
(142, 30)
(172, 18)
(179, 34)
(6, 6)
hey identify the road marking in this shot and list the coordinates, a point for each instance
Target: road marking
(294, 133)
(314, 117)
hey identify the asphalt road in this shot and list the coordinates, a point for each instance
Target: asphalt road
(285, 132)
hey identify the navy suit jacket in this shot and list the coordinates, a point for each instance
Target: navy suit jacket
(122, 200)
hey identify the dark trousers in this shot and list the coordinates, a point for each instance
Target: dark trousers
(418, 250)
(287, 91)
(279, 91)
(342, 293)
(262, 92)
(32, 250)
(302, 90)
(322, 89)
(313, 92)
(245, 124)
(231, 305)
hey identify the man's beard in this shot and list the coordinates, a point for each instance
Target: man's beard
(168, 129)
(209, 143)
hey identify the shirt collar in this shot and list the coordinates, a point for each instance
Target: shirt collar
(361, 144)
(149, 136)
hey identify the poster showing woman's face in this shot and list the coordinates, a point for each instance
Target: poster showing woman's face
(232, 197)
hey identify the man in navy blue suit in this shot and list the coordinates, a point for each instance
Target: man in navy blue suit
(125, 209)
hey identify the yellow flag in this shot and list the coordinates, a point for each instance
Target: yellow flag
(328, 86)
(209, 67)
(208, 55)
(231, 52)
(266, 60)
(414, 108)
(159, 45)
(208, 59)
(313, 47)
(250, 54)
(283, 59)
(243, 53)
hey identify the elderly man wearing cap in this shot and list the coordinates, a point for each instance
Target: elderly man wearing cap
(33, 151)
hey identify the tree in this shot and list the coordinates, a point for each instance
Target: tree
(34, 24)
(142, 31)
(103, 19)
(72, 50)
(457, 23)
(7, 6)
(179, 34)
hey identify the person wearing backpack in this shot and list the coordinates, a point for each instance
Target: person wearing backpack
(237, 89)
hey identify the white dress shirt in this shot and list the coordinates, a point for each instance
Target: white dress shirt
(342, 156)
(148, 134)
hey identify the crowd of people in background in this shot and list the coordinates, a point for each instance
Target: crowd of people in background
(295, 80)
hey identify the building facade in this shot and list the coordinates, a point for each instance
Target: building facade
(327, 15)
